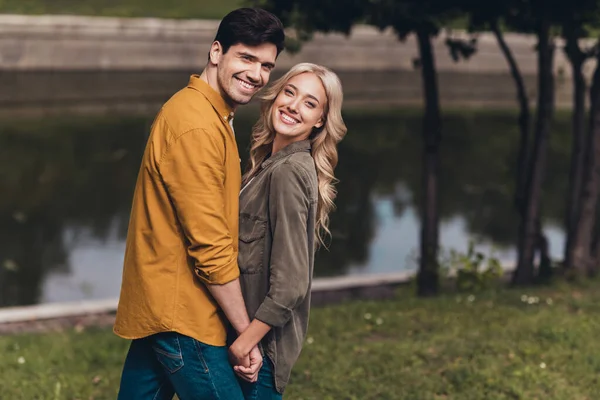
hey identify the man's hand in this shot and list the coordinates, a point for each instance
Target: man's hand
(249, 373)
(237, 356)
(246, 345)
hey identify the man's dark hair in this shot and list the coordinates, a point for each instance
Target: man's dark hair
(252, 27)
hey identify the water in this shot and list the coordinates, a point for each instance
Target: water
(67, 176)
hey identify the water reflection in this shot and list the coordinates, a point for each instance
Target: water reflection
(67, 183)
(61, 181)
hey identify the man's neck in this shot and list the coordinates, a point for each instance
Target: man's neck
(209, 75)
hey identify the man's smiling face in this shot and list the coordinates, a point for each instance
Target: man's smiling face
(244, 70)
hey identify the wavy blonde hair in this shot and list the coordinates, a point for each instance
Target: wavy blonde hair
(323, 140)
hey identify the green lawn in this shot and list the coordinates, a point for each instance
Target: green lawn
(205, 9)
(539, 343)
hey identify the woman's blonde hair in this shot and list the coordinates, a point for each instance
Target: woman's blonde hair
(323, 140)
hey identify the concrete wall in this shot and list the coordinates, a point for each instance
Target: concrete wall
(91, 64)
(98, 43)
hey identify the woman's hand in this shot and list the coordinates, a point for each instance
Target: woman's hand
(250, 373)
(246, 345)
(245, 364)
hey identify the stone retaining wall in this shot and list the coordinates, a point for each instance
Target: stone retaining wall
(45, 61)
(100, 43)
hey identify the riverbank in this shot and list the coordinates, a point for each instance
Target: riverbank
(505, 344)
(58, 316)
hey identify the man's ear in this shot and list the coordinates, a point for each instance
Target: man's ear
(216, 51)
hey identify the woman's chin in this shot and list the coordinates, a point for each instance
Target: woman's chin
(282, 130)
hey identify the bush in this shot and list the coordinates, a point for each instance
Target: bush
(472, 271)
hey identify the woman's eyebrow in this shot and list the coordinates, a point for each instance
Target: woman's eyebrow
(308, 94)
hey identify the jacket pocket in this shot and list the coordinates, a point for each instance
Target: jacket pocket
(251, 244)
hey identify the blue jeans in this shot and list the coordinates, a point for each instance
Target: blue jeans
(264, 387)
(161, 365)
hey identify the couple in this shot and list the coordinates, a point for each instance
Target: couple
(218, 269)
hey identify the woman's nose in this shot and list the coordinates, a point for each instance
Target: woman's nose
(293, 105)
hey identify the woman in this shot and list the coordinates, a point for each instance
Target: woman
(285, 200)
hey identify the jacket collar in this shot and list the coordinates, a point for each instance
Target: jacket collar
(221, 107)
(303, 145)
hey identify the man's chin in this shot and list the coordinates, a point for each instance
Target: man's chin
(241, 100)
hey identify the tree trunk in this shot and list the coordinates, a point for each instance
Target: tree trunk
(528, 232)
(543, 247)
(524, 116)
(593, 270)
(582, 240)
(427, 277)
(576, 172)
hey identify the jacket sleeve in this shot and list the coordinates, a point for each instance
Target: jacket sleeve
(193, 171)
(289, 204)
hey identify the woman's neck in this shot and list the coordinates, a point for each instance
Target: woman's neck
(280, 142)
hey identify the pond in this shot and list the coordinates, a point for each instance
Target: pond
(67, 178)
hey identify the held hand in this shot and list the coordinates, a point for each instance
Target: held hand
(250, 373)
(247, 344)
(237, 356)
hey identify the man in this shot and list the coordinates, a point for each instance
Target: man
(180, 274)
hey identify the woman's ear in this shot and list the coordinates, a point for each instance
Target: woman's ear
(319, 123)
(216, 51)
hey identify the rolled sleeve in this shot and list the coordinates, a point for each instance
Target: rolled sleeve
(193, 171)
(289, 205)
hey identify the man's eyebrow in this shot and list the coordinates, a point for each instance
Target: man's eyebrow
(254, 58)
(245, 53)
(308, 94)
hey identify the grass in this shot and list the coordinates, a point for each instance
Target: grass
(204, 9)
(539, 343)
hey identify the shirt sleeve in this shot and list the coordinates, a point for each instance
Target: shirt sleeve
(193, 171)
(289, 205)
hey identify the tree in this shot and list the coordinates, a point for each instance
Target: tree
(423, 19)
(578, 237)
(484, 16)
(582, 259)
(530, 219)
(542, 15)
(577, 58)
(527, 16)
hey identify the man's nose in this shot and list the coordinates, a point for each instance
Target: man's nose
(254, 73)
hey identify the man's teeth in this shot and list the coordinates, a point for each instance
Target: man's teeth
(246, 85)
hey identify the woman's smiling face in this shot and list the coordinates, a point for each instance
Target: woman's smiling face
(299, 108)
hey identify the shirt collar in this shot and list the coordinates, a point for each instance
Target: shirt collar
(221, 107)
(303, 145)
